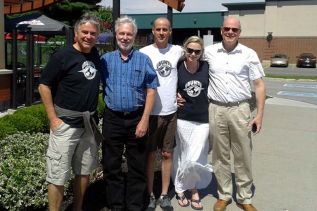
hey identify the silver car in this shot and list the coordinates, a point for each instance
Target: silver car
(279, 60)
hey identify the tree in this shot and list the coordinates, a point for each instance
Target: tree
(69, 11)
(104, 14)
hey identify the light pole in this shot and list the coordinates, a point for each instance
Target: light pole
(195, 23)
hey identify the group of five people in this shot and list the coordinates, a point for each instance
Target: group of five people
(162, 96)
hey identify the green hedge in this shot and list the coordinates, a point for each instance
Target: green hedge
(101, 106)
(23, 171)
(23, 144)
(32, 119)
(38, 112)
(22, 167)
(6, 128)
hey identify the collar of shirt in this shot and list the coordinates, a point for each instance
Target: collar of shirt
(118, 52)
(236, 50)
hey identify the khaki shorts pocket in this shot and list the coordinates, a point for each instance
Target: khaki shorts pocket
(53, 164)
(61, 128)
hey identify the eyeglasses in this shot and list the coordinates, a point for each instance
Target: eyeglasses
(235, 30)
(190, 51)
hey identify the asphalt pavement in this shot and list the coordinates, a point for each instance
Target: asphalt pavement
(284, 160)
(299, 90)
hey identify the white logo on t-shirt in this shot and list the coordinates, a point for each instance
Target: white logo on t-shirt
(164, 68)
(89, 70)
(193, 88)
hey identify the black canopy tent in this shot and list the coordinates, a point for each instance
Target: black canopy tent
(30, 25)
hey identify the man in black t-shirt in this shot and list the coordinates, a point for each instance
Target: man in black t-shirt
(69, 88)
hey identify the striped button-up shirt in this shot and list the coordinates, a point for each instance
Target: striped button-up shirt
(125, 81)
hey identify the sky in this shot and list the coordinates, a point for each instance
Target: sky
(156, 6)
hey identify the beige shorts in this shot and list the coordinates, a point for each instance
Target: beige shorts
(70, 148)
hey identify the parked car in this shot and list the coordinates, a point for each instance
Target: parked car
(279, 60)
(306, 60)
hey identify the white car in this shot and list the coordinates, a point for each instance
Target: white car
(279, 60)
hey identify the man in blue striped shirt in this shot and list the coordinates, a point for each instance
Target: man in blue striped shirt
(130, 83)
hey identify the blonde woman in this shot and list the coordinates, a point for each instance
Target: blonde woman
(190, 168)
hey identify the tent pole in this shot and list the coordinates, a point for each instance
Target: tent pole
(69, 36)
(14, 58)
(170, 18)
(115, 16)
(29, 70)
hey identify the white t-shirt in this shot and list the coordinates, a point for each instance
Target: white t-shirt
(165, 63)
(230, 73)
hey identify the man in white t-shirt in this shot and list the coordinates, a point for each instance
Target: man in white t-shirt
(162, 128)
(232, 68)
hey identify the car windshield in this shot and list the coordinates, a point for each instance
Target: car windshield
(279, 56)
(305, 55)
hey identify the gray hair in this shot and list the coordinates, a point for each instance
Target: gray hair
(126, 19)
(87, 18)
(195, 39)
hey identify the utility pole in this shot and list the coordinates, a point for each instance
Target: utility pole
(173, 4)
(115, 15)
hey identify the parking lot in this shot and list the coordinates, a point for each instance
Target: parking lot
(291, 70)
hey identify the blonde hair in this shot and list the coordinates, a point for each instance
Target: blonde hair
(195, 39)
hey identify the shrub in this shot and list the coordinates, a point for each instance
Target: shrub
(23, 183)
(101, 106)
(22, 167)
(26, 123)
(38, 112)
(6, 128)
(31, 119)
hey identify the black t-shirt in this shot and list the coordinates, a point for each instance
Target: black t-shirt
(193, 88)
(74, 78)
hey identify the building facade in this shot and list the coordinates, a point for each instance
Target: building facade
(269, 26)
(184, 26)
(291, 23)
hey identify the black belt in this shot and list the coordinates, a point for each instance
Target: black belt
(229, 104)
(137, 112)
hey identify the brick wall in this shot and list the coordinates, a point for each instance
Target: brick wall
(5, 91)
(5, 86)
(291, 46)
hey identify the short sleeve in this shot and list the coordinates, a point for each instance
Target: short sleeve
(151, 77)
(255, 66)
(52, 70)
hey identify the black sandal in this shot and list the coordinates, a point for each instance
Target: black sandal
(182, 198)
(198, 202)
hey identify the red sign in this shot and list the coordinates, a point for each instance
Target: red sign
(8, 36)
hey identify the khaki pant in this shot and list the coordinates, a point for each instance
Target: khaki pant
(230, 132)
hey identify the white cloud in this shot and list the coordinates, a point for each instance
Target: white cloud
(156, 6)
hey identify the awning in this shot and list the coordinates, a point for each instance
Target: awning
(19, 6)
(35, 23)
(22, 37)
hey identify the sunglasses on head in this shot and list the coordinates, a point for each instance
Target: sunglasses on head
(235, 30)
(190, 51)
